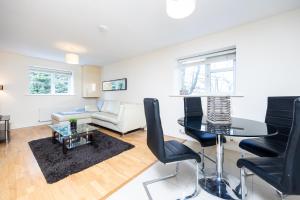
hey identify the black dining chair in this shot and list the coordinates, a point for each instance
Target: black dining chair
(281, 172)
(192, 109)
(279, 115)
(166, 151)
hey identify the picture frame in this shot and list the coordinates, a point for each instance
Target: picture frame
(114, 85)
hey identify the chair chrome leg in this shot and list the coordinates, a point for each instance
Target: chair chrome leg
(197, 187)
(247, 172)
(243, 184)
(203, 157)
(145, 184)
(282, 196)
(207, 157)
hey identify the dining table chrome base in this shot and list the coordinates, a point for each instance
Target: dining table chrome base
(217, 184)
(218, 187)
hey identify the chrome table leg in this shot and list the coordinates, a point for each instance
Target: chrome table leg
(217, 185)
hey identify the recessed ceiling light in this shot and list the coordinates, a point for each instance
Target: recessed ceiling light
(179, 9)
(102, 28)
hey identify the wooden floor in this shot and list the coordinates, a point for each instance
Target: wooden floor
(21, 177)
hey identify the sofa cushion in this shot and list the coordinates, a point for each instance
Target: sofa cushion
(91, 108)
(112, 107)
(105, 116)
(100, 103)
(61, 118)
(70, 112)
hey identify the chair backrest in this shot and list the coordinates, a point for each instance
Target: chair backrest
(155, 136)
(280, 115)
(291, 176)
(193, 107)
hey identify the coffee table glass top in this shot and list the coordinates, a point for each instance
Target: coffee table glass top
(65, 129)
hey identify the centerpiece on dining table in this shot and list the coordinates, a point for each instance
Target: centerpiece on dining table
(219, 109)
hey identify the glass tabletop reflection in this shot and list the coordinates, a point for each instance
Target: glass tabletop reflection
(239, 127)
(65, 129)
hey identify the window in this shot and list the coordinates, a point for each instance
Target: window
(50, 82)
(212, 73)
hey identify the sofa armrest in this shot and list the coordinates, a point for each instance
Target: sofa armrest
(131, 117)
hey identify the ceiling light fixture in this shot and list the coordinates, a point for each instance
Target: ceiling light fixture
(179, 9)
(72, 58)
(70, 47)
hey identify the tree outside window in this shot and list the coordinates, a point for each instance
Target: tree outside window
(49, 82)
(40, 83)
(210, 74)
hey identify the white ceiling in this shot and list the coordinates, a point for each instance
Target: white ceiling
(49, 28)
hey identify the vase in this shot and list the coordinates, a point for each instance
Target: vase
(73, 125)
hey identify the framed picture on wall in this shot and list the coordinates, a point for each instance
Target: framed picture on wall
(114, 85)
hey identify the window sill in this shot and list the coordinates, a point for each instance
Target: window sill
(50, 94)
(206, 95)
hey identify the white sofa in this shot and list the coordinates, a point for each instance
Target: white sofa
(118, 116)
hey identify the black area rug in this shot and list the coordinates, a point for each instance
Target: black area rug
(55, 165)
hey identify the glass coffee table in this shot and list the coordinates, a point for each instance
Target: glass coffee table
(71, 138)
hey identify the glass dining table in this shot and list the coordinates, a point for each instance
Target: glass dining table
(217, 184)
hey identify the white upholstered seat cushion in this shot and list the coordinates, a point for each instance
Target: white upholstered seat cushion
(108, 117)
(60, 117)
(112, 107)
(91, 108)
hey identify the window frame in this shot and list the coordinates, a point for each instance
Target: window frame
(52, 72)
(233, 69)
(208, 72)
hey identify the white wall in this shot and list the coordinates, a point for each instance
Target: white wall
(268, 64)
(15, 101)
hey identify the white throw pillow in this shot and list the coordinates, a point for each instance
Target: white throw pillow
(100, 104)
(111, 107)
(91, 108)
